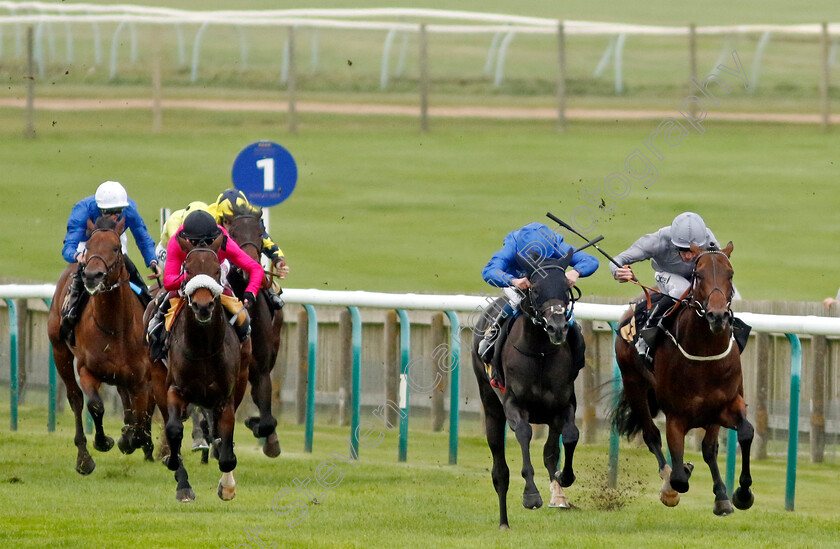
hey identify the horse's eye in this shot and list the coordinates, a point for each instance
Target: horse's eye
(116, 249)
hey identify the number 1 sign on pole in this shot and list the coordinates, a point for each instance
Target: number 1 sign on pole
(266, 173)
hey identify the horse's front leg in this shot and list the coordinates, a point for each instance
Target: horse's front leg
(743, 497)
(570, 440)
(675, 432)
(551, 456)
(265, 424)
(723, 506)
(90, 386)
(64, 365)
(227, 459)
(177, 410)
(518, 420)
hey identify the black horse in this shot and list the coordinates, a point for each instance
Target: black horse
(539, 385)
(246, 229)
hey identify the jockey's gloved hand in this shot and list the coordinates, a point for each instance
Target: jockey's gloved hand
(155, 270)
(249, 299)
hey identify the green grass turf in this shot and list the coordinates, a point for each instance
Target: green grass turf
(382, 503)
(381, 207)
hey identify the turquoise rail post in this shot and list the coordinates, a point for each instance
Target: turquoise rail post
(356, 341)
(52, 379)
(612, 470)
(454, 384)
(731, 453)
(13, 370)
(312, 323)
(793, 428)
(405, 345)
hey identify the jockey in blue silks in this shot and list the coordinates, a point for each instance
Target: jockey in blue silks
(507, 270)
(111, 200)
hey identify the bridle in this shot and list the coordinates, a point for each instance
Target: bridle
(257, 246)
(184, 267)
(691, 301)
(118, 262)
(701, 309)
(538, 316)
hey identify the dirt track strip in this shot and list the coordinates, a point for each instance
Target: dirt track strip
(512, 113)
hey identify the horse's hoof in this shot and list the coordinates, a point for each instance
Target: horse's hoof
(199, 444)
(723, 508)
(743, 498)
(149, 453)
(103, 444)
(689, 468)
(85, 465)
(532, 501)
(226, 493)
(504, 527)
(560, 503)
(125, 446)
(205, 456)
(271, 448)
(185, 495)
(670, 498)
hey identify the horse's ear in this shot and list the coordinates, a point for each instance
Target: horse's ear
(696, 250)
(120, 226)
(566, 260)
(90, 227)
(530, 263)
(186, 245)
(728, 249)
(217, 244)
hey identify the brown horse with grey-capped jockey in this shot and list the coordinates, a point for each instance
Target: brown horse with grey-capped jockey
(108, 346)
(696, 381)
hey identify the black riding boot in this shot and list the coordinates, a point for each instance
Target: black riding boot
(577, 345)
(741, 333)
(134, 276)
(156, 332)
(74, 302)
(275, 302)
(649, 333)
(485, 346)
(243, 330)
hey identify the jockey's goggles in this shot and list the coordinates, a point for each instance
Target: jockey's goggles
(111, 211)
(201, 242)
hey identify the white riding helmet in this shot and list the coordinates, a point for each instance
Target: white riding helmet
(688, 228)
(110, 195)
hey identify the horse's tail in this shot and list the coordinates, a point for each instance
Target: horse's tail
(626, 420)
